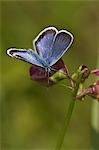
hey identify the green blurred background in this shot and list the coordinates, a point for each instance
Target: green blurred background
(32, 115)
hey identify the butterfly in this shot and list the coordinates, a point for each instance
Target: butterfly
(49, 46)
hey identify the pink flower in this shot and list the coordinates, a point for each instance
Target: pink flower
(95, 72)
(92, 90)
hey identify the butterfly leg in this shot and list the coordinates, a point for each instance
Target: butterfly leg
(47, 73)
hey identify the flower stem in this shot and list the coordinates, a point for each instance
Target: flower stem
(68, 115)
(66, 123)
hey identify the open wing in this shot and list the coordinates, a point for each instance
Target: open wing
(62, 42)
(26, 55)
(43, 42)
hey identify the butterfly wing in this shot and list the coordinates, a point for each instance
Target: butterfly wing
(43, 42)
(25, 55)
(62, 42)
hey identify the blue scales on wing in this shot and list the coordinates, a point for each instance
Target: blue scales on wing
(49, 46)
(44, 42)
(26, 55)
(62, 42)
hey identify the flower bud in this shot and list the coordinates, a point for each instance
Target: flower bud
(84, 70)
(59, 75)
(83, 73)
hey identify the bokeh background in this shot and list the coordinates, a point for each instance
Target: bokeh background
(32, 115)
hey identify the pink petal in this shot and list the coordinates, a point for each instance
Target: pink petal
(95, 72)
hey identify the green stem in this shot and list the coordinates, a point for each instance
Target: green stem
(68, 115)
(66, 123)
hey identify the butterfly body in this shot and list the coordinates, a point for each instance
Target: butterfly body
(49, 46)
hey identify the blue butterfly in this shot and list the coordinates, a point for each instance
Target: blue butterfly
(49, 46)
